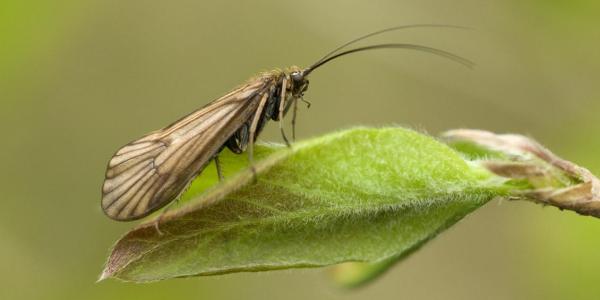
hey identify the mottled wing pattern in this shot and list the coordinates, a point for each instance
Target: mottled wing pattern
(152, 171)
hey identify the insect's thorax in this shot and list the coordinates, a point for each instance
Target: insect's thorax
(283, 89)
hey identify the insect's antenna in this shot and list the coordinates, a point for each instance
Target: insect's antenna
(438, 52)
(358, 39)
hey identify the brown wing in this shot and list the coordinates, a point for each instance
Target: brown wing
(152, 171)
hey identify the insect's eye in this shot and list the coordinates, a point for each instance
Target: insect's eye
(296, 76)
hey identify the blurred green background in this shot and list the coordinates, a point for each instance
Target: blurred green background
(78, 79)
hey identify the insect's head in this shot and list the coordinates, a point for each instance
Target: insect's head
(299, 82)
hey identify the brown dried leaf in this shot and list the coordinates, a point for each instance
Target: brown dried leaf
(582, 197)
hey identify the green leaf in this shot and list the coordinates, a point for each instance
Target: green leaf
(360, 195)
(356, 274)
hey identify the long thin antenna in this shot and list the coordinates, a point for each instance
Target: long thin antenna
(358, 39)
(435, 51)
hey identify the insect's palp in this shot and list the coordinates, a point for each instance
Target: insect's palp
(308, 103)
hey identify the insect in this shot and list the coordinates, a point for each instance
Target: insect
(150, 172)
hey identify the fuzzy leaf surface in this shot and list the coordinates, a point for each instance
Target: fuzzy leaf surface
(360, 195)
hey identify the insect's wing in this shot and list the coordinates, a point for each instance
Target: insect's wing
(150, 172)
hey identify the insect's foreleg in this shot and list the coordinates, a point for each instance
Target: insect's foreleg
(257, 116)
(218, 165)
(294, 119)
(282, 100)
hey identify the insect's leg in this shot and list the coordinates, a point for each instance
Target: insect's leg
(257, 116)
(282, 108)
(294, 119)
(218, 165)
(160, 217)
(157, 224)
(169, 206)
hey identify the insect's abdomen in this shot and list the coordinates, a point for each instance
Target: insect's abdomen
(239, 140)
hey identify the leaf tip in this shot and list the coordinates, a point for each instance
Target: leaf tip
(105, 274)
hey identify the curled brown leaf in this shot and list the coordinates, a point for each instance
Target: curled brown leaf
(582, 197)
